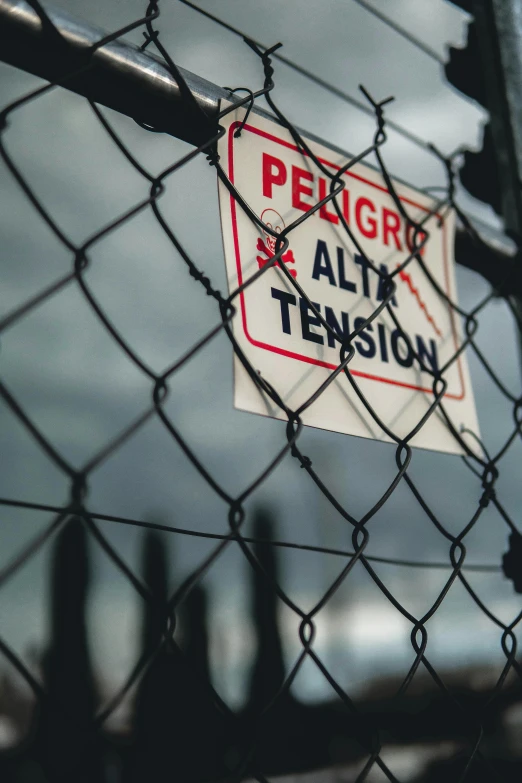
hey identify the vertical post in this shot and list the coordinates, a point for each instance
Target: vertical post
(508, 25)
(508, 30)
(499, 31)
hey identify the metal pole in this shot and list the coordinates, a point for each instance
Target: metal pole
(501, 25)
(119, 75)
(498, 24)
(139, 85)
(508, 23)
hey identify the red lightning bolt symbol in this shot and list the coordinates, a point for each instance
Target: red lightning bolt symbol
(415, 291)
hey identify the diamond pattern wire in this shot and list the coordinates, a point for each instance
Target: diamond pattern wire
(486, 468)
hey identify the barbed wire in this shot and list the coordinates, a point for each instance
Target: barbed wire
(484, 466)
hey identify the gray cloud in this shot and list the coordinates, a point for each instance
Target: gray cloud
(81, 390)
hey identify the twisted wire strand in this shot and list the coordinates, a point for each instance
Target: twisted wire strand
(485, 467)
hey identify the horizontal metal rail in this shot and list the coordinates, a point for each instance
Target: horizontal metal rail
(119, 75)
(137, 84)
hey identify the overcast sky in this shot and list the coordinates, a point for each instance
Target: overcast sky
(81, 390)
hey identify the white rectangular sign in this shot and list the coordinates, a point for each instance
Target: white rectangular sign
(281, 336)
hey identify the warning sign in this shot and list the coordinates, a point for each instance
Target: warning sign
(283, 338)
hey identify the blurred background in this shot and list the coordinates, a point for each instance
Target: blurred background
(81, 390)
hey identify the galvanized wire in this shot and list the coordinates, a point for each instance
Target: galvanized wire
(486, 468)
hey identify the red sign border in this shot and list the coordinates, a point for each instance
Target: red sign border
(302, 357)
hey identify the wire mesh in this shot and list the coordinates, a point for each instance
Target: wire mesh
(249, 733)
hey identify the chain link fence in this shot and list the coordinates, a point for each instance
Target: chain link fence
(274, 733)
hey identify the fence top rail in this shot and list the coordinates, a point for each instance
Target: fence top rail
(120, 75)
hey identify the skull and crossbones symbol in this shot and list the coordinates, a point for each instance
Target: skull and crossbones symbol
(274, 221)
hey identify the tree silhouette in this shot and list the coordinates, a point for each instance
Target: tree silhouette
(65, 743)
(154, 568)
(176, 726)
(196, 644)
(278, 735)
(268, 671)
